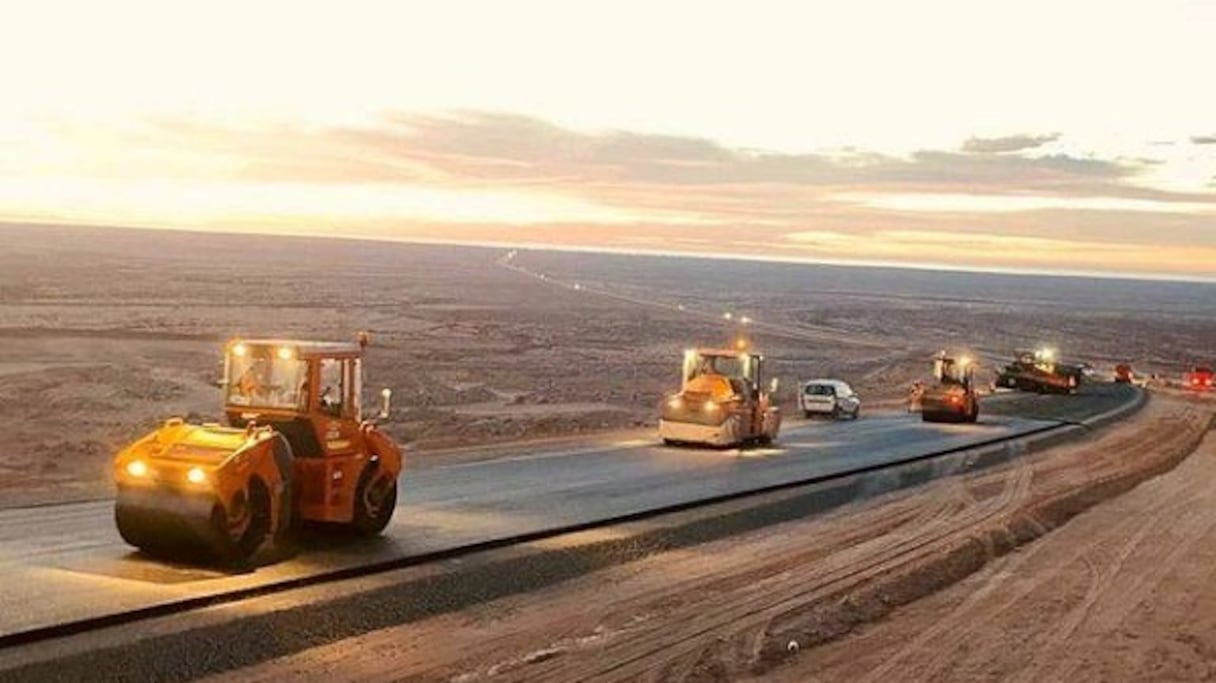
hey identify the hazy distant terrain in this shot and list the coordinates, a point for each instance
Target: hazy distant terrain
(106, 331)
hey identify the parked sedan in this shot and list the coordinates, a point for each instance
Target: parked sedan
(829, 397)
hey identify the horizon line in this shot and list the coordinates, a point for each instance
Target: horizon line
(641, 251)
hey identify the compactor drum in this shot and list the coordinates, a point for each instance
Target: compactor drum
(953, 397)
(721, 401)
(295, 449)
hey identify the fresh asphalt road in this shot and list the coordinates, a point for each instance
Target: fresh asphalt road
(63, 563)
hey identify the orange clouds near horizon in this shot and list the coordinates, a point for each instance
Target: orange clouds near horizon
(1014, 203)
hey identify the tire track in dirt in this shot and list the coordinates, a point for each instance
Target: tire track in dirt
(948, 633)
(1177, 517)
(648, 650)
(1095, 580)
(634, 623)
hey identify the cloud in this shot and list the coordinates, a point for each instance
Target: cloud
(508, 149)
(498, 177)
(1203, 140)
(1010, 143)
(500, 150)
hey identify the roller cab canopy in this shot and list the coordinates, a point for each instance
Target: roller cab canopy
(279, 379)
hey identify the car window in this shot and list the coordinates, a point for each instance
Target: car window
(820, 390)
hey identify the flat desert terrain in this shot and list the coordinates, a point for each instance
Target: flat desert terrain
(105, 332)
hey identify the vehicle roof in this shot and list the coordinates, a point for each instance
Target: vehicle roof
(306, 347)
(834, 382)
(731, 353)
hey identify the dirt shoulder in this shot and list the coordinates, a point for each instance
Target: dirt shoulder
(760, 603)
(1122, 593)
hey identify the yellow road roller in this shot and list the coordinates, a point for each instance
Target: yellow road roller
(721, 402)
(295, 448)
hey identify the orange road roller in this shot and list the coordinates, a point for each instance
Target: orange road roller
(295, 449)
(954, 397)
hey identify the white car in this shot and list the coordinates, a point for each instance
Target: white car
(830, 397)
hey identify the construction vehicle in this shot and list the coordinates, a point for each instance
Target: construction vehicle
(1039, 371)
(953, 398)
(295, 449)
(722, 401)
(1124, 374)
(1200, 378)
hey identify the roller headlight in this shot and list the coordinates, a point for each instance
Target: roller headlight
(196, 475)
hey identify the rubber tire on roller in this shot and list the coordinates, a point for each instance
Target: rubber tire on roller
(364, 522)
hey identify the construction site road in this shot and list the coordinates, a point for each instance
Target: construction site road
(65, 563)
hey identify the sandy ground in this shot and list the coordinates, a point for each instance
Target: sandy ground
(757, 605)
(104, 333)
(1122, 593)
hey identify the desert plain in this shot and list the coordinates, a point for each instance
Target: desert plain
(104, 332)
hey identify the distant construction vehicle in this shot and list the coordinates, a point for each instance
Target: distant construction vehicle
(1200, 378)
(722, 401)
(1040, 371)
(953, 398)
(1124, 374)
(296, 450)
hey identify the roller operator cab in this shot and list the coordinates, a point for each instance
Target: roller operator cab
(953, 398)
(296, 448)
(722, 401)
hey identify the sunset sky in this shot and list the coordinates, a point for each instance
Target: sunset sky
(1041, 135)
